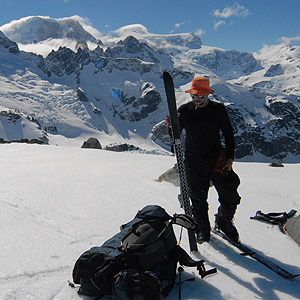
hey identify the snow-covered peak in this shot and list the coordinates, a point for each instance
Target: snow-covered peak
(167, 42)
(42, 34)
(137, 30)
(283, 54)
(279, 69)
(35, 29)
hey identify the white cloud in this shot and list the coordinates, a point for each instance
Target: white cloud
(229, 11)
(289, 40)
(200, 32)
(218, 24)
(45, 47)
(179, 25)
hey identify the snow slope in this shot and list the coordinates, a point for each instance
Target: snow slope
(57, 202)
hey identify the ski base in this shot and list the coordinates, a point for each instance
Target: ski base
(247, 251)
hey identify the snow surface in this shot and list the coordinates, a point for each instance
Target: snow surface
(57, 202)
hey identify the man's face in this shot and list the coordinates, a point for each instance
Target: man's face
(200, 101)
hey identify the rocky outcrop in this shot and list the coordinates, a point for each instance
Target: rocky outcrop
(81, 95)
(171, 175)
(159, 134)
(130, 47)
(11, 46)
(134, 108)
(25, 141)
(92, 143)
(20, 128)
(227, 64)
(65, 62)
(121, 147)
(276, 164)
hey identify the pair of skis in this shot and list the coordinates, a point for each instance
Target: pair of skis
(184, 191)
(184, 196)
(247, 251)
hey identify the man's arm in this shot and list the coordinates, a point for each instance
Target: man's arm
(227, 130)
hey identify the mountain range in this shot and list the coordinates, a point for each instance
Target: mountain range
(62, 81)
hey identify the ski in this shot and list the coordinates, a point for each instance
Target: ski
(247, 251)
(184, 191)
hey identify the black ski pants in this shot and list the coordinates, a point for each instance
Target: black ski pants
(199, 174)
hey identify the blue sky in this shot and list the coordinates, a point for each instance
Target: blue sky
(243, 25)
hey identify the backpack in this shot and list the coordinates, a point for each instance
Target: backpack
(146, 243)
(137, 285)
(94, 272)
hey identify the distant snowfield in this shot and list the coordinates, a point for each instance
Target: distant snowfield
(57, 202)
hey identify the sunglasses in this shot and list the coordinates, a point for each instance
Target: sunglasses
(198, 97)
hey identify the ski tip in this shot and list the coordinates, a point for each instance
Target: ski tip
(288, 275)
(166, 74)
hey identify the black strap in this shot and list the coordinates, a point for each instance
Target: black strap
(203, 272)
(274, 218)
(184, 220)
(168, 288)
(138, 295)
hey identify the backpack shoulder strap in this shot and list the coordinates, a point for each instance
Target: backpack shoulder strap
(184, 220)
(180, 255)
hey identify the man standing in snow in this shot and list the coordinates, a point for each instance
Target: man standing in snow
(206, 160)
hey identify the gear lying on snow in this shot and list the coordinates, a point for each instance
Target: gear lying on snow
(274, 218)
(145, 244)
(286, 221)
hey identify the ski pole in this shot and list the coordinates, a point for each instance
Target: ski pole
(180, 270)
(180, 236)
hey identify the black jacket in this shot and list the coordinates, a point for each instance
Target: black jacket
(203, 127)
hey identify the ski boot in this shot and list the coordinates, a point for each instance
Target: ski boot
(227, 227)
(203, 237)
(203, 231)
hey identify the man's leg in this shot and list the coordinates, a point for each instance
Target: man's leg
(198, 182)
(226, 186)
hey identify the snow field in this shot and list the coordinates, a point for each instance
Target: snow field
(57, 202)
